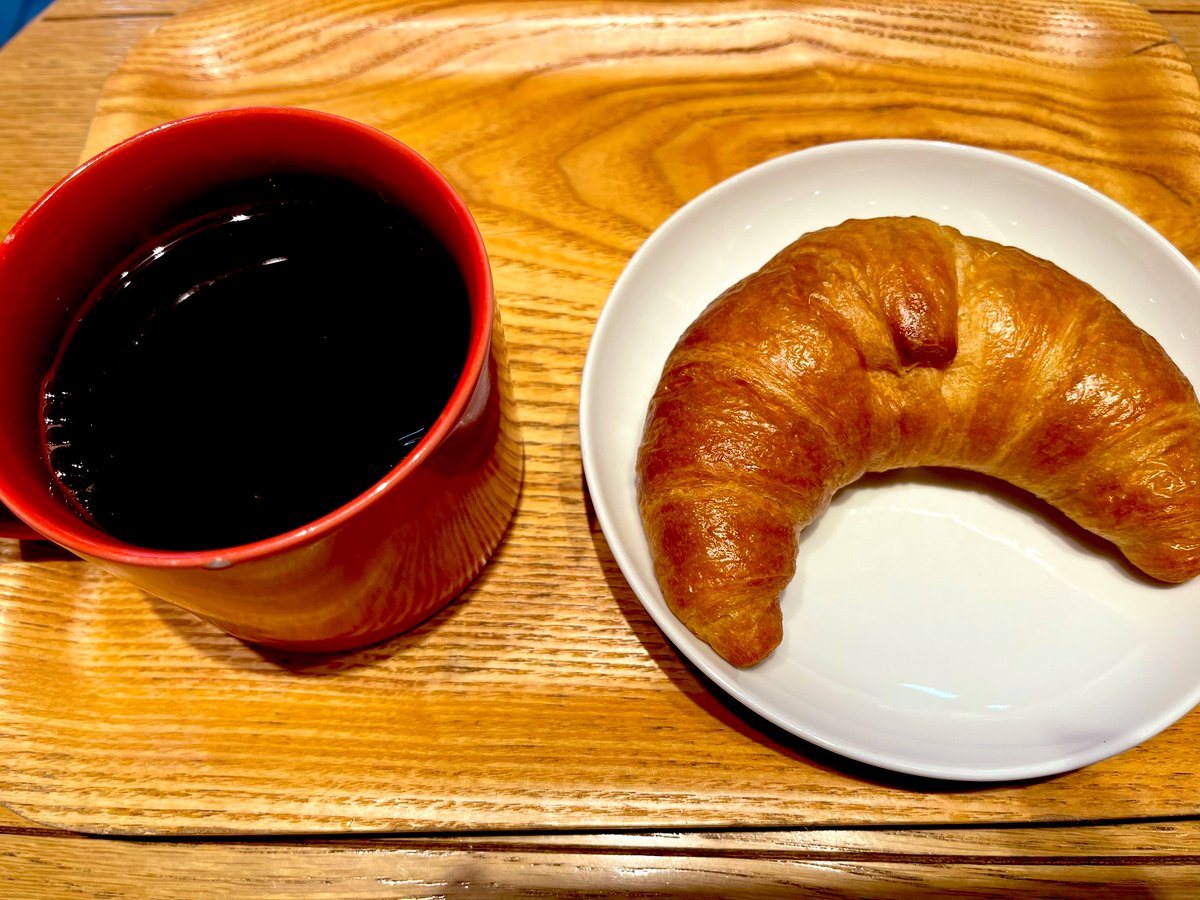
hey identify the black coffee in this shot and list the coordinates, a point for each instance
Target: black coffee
(256, 367)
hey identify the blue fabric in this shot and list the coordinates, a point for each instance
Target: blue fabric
(14, 14)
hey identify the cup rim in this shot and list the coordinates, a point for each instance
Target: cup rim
(89, 541)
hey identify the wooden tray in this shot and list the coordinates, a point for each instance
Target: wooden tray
(544, 697)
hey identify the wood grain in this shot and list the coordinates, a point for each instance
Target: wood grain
(1094, 90)
(167, 871)
(1129, 860)
(51, 76)
(545, 698)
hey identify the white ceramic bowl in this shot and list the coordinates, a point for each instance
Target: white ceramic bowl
(937, 626)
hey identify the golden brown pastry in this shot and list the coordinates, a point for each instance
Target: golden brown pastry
(894, 342)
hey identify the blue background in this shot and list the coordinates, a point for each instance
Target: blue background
(15, 13)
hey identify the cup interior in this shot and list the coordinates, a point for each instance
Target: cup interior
(116, 202)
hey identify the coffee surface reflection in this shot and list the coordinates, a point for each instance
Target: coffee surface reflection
(254, 368)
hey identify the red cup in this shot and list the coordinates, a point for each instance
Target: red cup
(368, 570)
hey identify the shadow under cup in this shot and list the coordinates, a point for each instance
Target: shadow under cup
(363, 572)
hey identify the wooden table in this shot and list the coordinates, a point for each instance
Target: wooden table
(1126, 827)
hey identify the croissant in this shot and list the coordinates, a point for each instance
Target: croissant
(885, 343)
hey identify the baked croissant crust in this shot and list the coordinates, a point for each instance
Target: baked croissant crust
(893, 342)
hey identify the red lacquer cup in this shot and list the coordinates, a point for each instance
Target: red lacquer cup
(368, 570)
